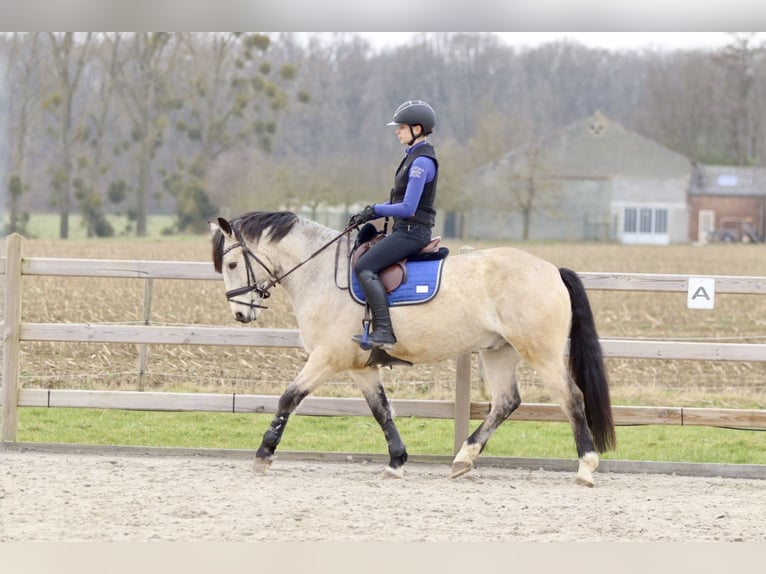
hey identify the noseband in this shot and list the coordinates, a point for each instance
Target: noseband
(252, 283)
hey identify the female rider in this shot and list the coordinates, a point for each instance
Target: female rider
(411, 206)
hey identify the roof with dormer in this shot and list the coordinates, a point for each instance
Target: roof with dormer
(600, 148)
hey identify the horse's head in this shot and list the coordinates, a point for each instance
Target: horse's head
(241, 268)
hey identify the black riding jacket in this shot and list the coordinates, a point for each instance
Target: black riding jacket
(425, 213)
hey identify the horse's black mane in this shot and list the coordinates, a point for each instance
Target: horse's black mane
(253, 225)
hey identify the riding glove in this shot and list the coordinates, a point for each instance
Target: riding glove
(363, 216)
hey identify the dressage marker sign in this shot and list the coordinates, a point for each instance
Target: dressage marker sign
(701, 293)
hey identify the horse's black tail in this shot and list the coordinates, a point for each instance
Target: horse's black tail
(586, 364)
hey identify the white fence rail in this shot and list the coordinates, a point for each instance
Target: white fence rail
(14, 266)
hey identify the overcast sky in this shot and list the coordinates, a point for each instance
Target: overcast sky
(610, 16)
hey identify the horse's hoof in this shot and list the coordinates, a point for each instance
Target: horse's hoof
(390, 472)
(460, 468)
(585, 480)
(261, 465)
(588, 463)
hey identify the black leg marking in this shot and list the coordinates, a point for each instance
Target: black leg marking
(579, 423)
(396, 449)
(288, 402)
(381, 410)
(272, 436)
(496, 416)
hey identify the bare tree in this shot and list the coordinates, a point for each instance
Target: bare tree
(23, 107)
(510, 171)
(740, 62)
(680, 105)
(529, 186)
(233, 98)
(92, 135)
(69, 58)
(145, 87)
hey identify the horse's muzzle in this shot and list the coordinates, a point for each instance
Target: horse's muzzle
(242, 317)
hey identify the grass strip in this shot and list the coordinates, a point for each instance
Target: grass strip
(361, 434)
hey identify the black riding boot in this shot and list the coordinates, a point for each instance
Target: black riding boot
(382, 334)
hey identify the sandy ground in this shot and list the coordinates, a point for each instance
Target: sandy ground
(90, 497)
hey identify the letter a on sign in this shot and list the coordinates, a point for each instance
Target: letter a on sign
(701, 293)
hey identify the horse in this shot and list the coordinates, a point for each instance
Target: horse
(504, 303)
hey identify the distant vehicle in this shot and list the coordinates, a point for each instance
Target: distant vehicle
(735, 230)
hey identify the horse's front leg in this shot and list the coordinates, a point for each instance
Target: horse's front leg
(316, 371)
(369, 382)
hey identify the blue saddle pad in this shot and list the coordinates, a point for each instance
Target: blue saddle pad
(423, 280)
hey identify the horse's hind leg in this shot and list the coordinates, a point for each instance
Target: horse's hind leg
(316, 371)
(369, 382)
(500, 371)
(564, 391)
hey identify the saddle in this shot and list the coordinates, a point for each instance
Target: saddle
(395, 274)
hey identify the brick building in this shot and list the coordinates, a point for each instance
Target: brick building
(727, 203)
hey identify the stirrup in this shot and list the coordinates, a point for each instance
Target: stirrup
(363, 338)
(366, 339)
(366, 343)
(388, 344)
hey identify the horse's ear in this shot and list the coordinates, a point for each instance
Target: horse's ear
(222, 224)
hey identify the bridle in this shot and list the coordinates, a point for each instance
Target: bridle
(252, 282)
(263, 290)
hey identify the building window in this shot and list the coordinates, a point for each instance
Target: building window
(630, 220)
(726, 180)
(645, 220)
(660, 220)
(645, 223)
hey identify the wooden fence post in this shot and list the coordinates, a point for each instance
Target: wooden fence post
(143, 348)
(462, 391)
(462, 400)
(11, 340)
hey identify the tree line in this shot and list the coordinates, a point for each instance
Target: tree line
(105, 122)
(200, 124)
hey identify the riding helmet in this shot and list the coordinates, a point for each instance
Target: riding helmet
(413, 113)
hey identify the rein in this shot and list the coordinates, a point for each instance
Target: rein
(252, 284)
